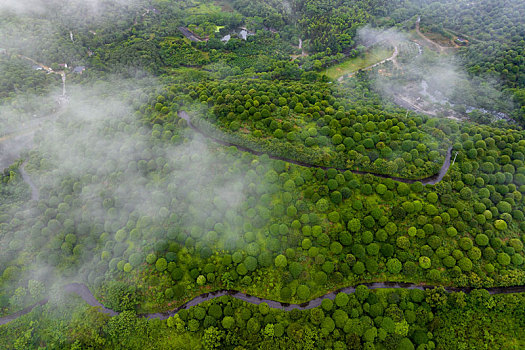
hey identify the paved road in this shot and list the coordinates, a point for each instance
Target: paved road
(431, 180)
(83, 291)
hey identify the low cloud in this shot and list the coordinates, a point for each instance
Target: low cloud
(427, 82)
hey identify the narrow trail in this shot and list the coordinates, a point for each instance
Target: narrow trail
(14, 140)
(303, 53)
(391, 58)
(431, 180)
(35, 193)
(440, 48)
(83, 292)
(49, 70)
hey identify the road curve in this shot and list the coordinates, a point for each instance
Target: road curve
(83, 291)
(431, 180)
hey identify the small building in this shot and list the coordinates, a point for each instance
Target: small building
(63, 65)
(37, 67)
(461, 41)
(79, 69)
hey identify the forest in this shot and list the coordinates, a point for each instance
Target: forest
(185, 175)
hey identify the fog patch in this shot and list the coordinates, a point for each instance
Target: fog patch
(429, 83)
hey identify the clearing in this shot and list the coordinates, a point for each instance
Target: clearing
(352, 65)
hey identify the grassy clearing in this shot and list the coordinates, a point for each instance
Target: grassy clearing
(204, 8)
(354, 64)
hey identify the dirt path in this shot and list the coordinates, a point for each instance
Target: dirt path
(303, 53)
(391, 58)
(440, 48)
(49, 70)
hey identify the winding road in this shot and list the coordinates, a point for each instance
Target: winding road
(431, 180)
(83, 292)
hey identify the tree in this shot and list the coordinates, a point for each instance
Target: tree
(253, 326)
(303, 292)
(201, 280)
(281, 261)
(500, 225)
(359, 268)
(161, 264)
(394, 266)
(465, 264)
(295, 269)
(405, 344)
(327, 325)
(370, 335)
(228, 322)
(212, 338)
(362, 292)
(354, 225)
(124, 329)
(482, 239)
(503, 259)
(424, 262)
(341, 299)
